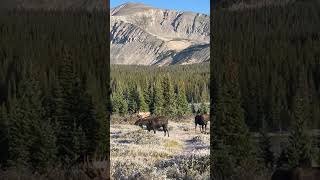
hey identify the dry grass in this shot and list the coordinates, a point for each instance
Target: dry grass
(139, 154)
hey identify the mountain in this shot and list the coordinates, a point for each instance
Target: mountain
(144, 35)
(52, 4)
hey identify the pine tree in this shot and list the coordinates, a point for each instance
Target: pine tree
(79, 142)
(123, 105)
(299, 149)
(119, 104)
(148, 93)
(50, 103)
(182, 103)
(276, 107)
(34, 145)
(265, 153)
(158, 99)
(203, 108)
(142, 105)
(231, 133)
(115, 101)
(19, 134)
(102, 147)
(83, 112)
(193, 107)
(132, 101)
(43, 150)
(65, 104)
(4, 135)
(169, 103)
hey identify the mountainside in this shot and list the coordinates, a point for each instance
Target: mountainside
(52, 4)
(144, 35)
(252, 4)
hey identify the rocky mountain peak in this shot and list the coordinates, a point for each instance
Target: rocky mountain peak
(141, 34)
(129, 8)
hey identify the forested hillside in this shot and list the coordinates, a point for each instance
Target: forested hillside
(266, 77)
(160, 90)
(273, 49)
(56, 4)
(53, 87)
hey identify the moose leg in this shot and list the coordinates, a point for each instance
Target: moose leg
(195, 128)
(154, 130)
(165, 129)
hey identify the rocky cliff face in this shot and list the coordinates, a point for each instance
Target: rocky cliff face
(144, 35)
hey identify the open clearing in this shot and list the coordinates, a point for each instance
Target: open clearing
(139, 154)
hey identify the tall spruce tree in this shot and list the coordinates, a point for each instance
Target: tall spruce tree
(115, 101)
(169, 97)
(19, 133)
(266, 155)
(65, 105)
(141, 103)
(86, 121)
(231, 133)
(182, 103)
(158, 99)
(101, 148)
(31, 138)
(4, 135)
(300, 149)
(132, 99)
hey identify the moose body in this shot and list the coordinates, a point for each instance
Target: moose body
(297, 174)
(155, 123)
(202, 120)
(142, 122)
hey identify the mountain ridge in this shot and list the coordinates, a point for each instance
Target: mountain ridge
(144, 35)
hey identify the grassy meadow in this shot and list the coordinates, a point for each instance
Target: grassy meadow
(139, 154)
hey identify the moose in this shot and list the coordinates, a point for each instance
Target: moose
(142, 122)
(202, 120)
(312, 173)
(154, 123)
(157, 122)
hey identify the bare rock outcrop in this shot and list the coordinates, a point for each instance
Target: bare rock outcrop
(144, 35)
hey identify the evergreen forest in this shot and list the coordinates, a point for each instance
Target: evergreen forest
(265, 78)
(169, 90)
(54, 85)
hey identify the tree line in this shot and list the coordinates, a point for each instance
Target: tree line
(171, 90)
(53, 88)
(265, 78)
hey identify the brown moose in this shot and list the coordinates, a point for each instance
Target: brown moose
(154, 123)
(202, 120)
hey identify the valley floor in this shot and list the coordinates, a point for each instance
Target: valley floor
(139, 154)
